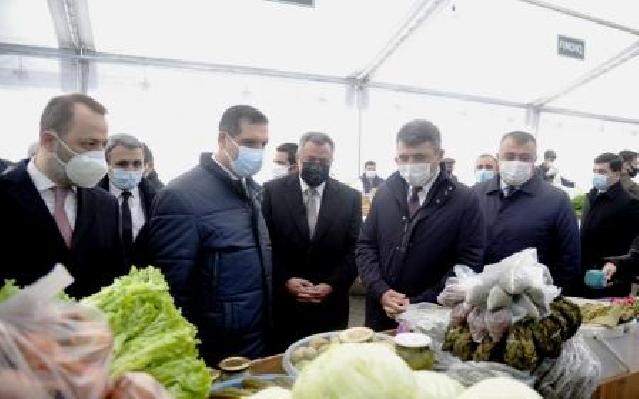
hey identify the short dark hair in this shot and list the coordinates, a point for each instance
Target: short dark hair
(613, 160)
(291, 151)
(628, 156)
(148, 155)
(419, 131)
(491, 156)
(550, 154)
(124, 140)
(370, 163)
(232, 118)
(318, 138)
(58, 113)
(519, 137)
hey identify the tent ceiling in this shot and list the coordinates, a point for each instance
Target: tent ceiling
(494, 51)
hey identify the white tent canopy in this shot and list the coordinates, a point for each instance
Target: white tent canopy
(357, 69)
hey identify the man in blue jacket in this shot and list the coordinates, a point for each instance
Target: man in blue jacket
(208, 236)
(522, 211)
(422, 223)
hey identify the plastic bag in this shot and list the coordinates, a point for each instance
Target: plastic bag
(498, 323)
(542, 297)
(521, 271)
(498, 299)
(477, 324)
(459, 313)
(522, 307)
(137, 386)
(457, 287)
(61, 348)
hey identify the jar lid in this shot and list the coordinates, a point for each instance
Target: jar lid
(413, 340)
(233, 364)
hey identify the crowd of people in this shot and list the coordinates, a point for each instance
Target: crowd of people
(256, 268)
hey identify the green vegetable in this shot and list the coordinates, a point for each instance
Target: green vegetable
(579, 202)
(8, 290)
(151, 335)
(433, 385)
(357, 371)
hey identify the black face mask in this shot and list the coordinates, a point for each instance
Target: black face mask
(632, 172)
(314, 174)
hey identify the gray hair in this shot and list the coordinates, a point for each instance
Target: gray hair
(316, 138)
(124, 140)
(519, 137)
(419, 131)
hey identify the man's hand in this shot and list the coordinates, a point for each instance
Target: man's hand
(322, 290)
(299, 288)
(609, 270)
(394, 303)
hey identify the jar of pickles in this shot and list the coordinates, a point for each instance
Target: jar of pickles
(414, 348)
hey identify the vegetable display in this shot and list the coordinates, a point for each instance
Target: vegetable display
(151, 335)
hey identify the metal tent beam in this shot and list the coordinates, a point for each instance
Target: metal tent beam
(424, 10)
(619, 59)
(581, 114)
(580, 15)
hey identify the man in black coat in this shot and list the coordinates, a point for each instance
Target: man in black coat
(609, 223)
(135, 194)
(421, 224)
(150, 173)
(4, 165)
(50, 211)
(370, 180)
(313, 222)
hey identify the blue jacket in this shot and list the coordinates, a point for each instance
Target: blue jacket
(210, 240)
(415, 255)
(537, 215)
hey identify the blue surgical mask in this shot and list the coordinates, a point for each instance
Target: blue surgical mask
(248, 161)
(600, 182)
(482, 175)
(126, 180)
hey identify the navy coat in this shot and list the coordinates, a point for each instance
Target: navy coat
(414, 256)
(208, 236)
(539, 216)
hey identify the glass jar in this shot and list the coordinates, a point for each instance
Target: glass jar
(414, 348)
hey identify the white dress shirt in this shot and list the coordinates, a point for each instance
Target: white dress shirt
(135, 204)
(46, 186)
(425, 189)
(320, 192)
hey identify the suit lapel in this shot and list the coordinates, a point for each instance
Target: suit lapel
(85, 214)
(295, 202)
(328, 208)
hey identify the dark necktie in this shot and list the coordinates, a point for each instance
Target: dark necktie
(311, 210)
(413, 202)
(127, 223)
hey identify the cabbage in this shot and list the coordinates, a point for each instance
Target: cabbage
(272, 393)
(499, 388)
(432, 385)
(8, 290)
(356, 371)
(151, 335)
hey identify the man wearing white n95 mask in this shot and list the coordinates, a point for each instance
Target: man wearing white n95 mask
(50, 211)
(208, 236)
(523, 211)
(422, 223)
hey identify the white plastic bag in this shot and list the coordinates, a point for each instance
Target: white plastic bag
(457, 287)
(61, 348)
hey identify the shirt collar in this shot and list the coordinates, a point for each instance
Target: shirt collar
(320, 188)
(135, 192)
(40, 180)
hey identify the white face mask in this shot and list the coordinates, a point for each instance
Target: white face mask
(279, 171)
(83, 169)
(515, 173)
(370, 174)
(417, 174)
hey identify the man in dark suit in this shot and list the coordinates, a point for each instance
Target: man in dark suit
(50, 211)
(4, 165)
(609, 223)
(370, 180)
(135, 194)
(313, 222)
(150, 174)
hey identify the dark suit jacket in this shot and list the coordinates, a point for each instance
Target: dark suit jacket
(608, 227)
(328, 258)
(31, 244)
(140, 256)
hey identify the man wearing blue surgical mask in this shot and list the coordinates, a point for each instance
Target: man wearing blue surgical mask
(125, 158)
(485, 168)
(421, 224)
(52, 212)
(209, 238)
(523, 211)
(609, 223)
